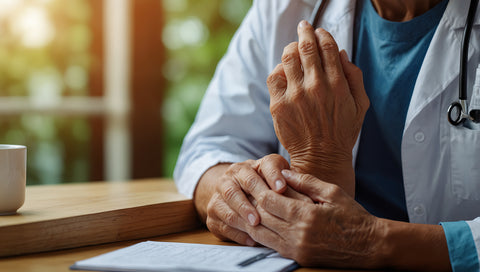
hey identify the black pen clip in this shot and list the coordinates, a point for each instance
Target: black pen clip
(255, 258)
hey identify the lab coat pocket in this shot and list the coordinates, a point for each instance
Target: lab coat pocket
(465, 162)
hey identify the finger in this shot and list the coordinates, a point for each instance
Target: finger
(226, 228)
(292, 65)
(277, 82)
(291, 193)
(281, 206)
(235, 197)
(308, 48)
(354, 77)
(272, 222)
(227, 233)
(318, 190)
(266, 237)
(270, 167)
(250, 180)
(329, 55)
(228, 216)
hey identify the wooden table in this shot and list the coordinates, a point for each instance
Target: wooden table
(80, 221)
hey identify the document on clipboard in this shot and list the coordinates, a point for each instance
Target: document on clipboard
(166, 256)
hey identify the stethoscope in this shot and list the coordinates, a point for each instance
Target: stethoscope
(458, 110)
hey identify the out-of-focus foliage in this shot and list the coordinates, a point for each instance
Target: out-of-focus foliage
(44, 55)
(196, 35)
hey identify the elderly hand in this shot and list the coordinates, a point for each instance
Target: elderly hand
(225, 202)
(334, 231)
(318, 102)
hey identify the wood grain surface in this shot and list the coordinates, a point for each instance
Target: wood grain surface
(73, 215)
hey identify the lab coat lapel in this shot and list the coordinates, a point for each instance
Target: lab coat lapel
(338, 19)
(441, 63)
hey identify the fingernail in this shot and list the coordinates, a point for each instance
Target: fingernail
(279, 185)
(251, 219)
(344, 55)
(250, 242)
(286, 173)
(302, 24)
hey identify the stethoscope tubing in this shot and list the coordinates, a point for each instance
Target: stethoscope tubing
(467, 31)
(457, 112)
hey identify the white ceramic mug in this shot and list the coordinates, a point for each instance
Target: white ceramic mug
(13, 170)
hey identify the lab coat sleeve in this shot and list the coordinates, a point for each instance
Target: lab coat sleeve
(233, 123)
(463, 241)
(475, 229)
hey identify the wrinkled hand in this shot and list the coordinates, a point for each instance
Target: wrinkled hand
(230, 209)
(318, 102)
(334, 231)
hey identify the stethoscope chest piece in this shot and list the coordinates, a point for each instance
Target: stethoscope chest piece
(456, 113)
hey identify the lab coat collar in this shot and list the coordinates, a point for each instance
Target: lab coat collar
(437, 71)
(456, 14)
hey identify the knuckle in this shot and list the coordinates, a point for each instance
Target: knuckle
(276, 107)
(294, 210)
(232, 169)
(328, 45)
(209, 223)
(263, 198)
(334, 191)
(276, 80)
(314, 85)
(366, 104)
(274, 158)
(297, 97)
(229, 193)
(243, 208)
(238, 237)
(224, 230)
(338, 81)
(212, 225)
(290, 52)
(250, 163)
(250, 183)
(230, 218)
(363, 106)
(211, 206)
(307, 47)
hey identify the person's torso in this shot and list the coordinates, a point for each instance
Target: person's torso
(440, 170)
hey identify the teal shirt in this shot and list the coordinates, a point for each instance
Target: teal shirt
(390, 55)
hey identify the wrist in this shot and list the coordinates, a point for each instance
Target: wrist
(408, 246)
(332, 169)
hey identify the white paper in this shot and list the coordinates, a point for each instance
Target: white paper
(164, 256)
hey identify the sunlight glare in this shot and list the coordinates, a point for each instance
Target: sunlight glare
(34, 27)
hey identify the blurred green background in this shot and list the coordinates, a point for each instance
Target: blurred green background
(45, 56)
(192, 58)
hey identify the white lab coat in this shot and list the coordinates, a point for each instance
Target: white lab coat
(440, 167)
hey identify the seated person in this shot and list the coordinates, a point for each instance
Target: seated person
(338, 161)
